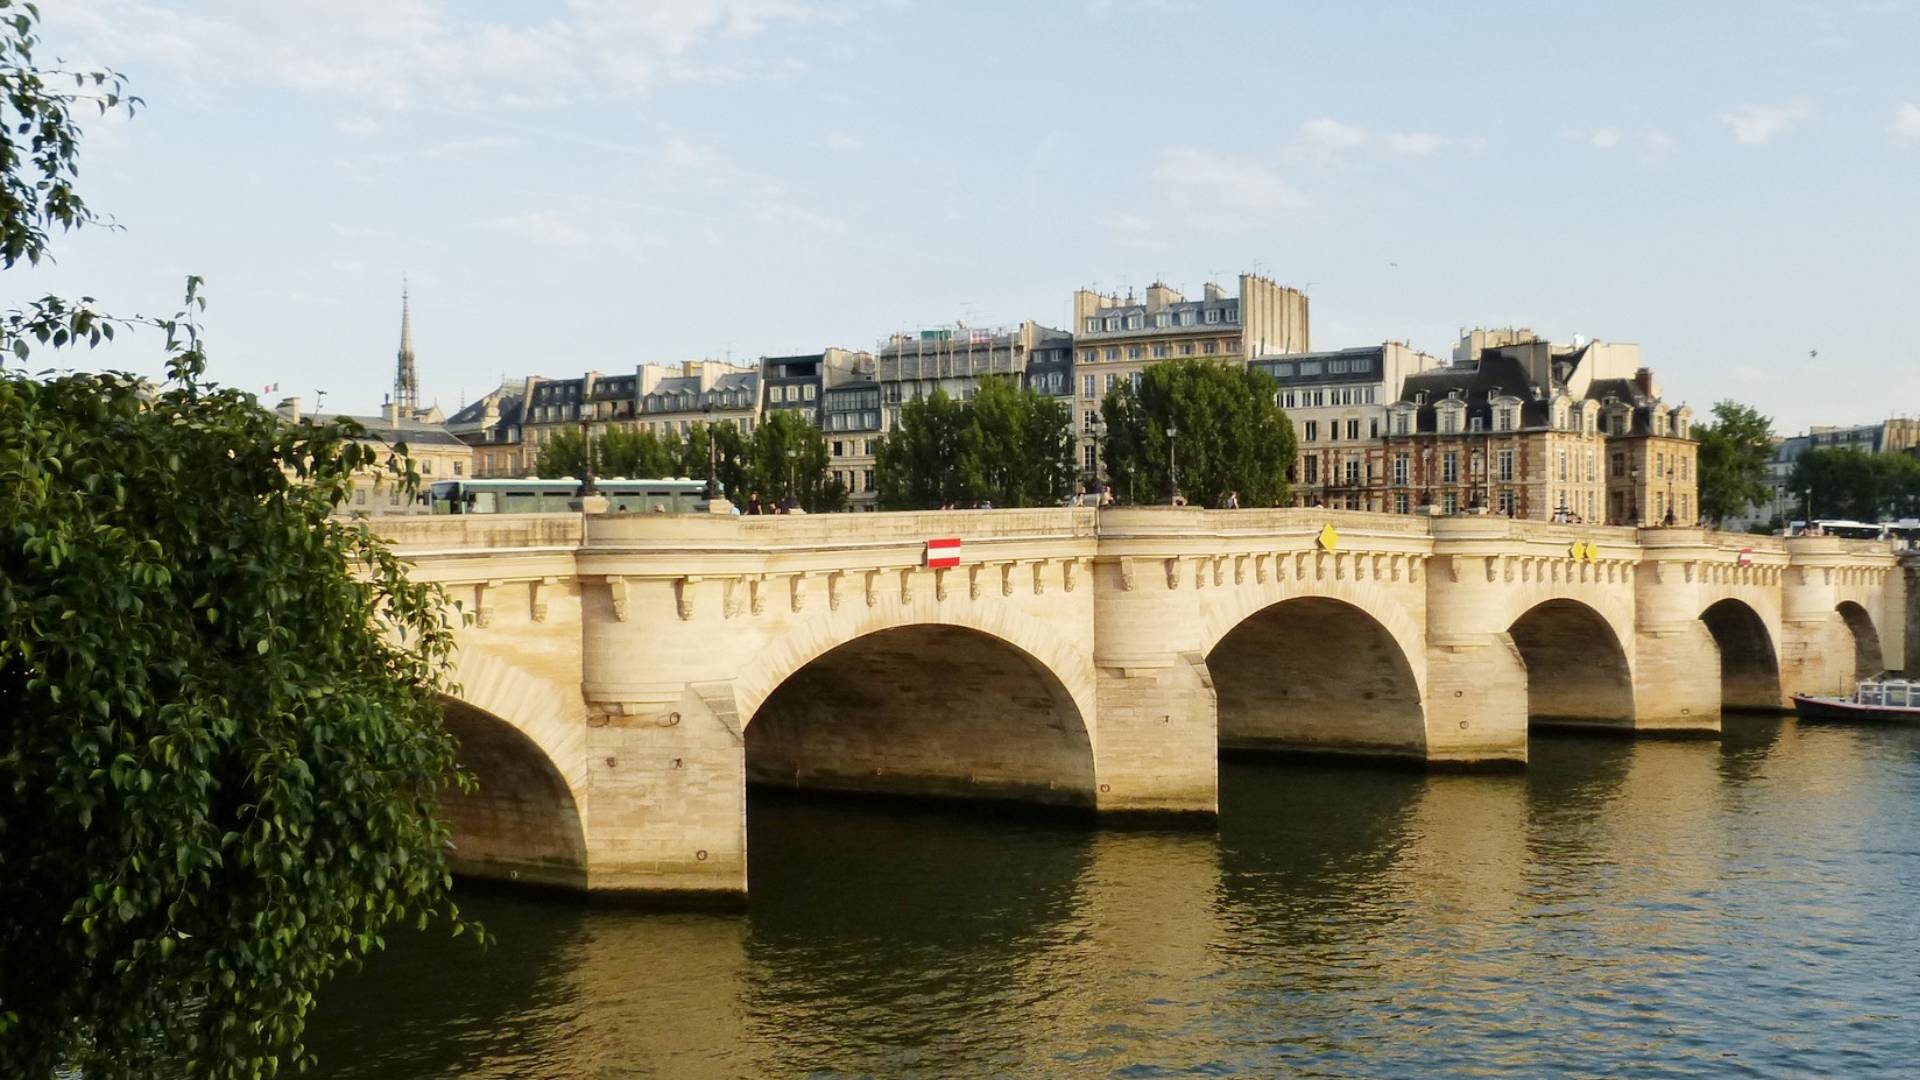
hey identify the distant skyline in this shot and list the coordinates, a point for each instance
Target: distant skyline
(596, 184)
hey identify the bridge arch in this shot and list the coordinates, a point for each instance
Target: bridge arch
(1749, 661)
(1578, 673)
(1316, 672)
(933, 708)
(524, 820)
(1868, 660)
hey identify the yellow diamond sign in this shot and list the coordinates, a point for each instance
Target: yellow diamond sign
(1329, 537)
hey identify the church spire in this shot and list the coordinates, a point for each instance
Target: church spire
(406, 384)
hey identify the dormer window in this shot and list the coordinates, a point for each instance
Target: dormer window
(1133, 322)
(1113, 322)
(1093, 326)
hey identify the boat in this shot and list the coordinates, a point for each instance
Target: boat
(1875, 699)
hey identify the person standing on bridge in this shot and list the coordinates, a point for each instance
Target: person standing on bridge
(1233, 499)
(753, 504)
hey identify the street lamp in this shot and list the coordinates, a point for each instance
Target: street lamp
(1099, 428)
(793, 472)
(1171, 496)
(1633, 495)
(713, 458)
(1671, 516)
(586, 439)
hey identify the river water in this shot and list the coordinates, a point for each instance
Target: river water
(1747, 907)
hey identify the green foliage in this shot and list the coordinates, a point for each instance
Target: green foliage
(1734, 451)
(223, 748)
(1847, 482)
(1232, 437)
(789, 461)
(1009, 446)
(39, 138)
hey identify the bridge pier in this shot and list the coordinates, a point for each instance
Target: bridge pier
(1476, 702)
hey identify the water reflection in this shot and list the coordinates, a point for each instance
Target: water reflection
(1645, 908)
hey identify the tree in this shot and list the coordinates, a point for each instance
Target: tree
(222, 748)
(1734, 451)
(927, 460)
(1232, 437)
(1009, 446)
(1848, 482)
(563, 454)
(790, 462)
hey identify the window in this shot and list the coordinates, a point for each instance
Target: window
(1619, 466)
(1113, 352)
(1401, 423)
(1233, 314)
(1093, 326)
(1086, 386)
(1353, 429)
(1402, 504)
(1451, 503)
(1186, 348)
(1160, 351)
(868, 485)
(1086, 457)
(1353, 471)
(807, 391)
(1450, 468)
(1186, 318)
(1135, 380)
(1591, 477)
(1313, 470)
(1333, 431)
(1309, 367)
(1113, 380)
(1163, 320)
(1087, 356)
(1210, 347)
(1450, 421)
(1473, 424)
(1684, 504)
(1373, 428)
(426, 466)
(1684, 463)
(459, 467)
(1213, 315)
(1506, 503)
(1135, 352)
(1113, 322)
(1563, 465)
(1313, 430)
(837, 445)
(1400, 462)
(1133, 322)
(1504, 459)
(1660, 464)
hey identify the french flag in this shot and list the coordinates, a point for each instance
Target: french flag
(943, 553)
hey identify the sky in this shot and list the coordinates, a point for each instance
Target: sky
(594, 184)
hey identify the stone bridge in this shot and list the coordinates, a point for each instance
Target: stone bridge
(624, 678)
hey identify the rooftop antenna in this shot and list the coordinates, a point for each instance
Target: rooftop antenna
(318, 397)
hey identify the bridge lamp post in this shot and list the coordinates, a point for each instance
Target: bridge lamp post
(1099, 428)
(793, 473)
(1633, 495)
(1172, 494)
(586, 439)
(1672, 517)
(713, 458)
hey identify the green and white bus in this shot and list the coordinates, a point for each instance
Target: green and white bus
(674, 495)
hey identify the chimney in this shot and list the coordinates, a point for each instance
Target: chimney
(1644, 377)
(391, 409)
(291, 407)
(1160, 296)
(1212, 291)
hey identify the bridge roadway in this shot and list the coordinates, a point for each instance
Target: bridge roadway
(623, 678)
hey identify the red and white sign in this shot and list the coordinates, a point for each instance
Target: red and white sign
(943, 553)
(1746, 556)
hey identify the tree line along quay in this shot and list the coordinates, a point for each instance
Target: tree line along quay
(262, 700)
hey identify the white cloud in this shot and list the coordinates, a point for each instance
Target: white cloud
(398, 52)
(1327, 137)
(1755, 125)
(1417, 143)
(358, 125)
(1604, 138)
(545, 228)
(1906, 122)
(458, 147)
(1217, 190)
(1650, 143)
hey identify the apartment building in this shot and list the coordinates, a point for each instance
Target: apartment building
(1115, 337)
(1338, 404)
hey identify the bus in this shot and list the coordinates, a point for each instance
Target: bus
(671, 495)
(1906, 530)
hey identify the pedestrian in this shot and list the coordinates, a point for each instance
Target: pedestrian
(1233, 500)
(1080, 497)
(753, 504)
(1106, 495)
